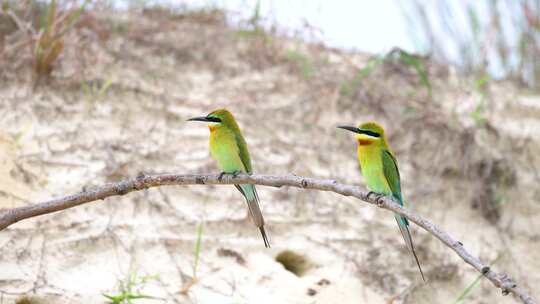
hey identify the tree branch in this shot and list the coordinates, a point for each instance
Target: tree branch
(500, 280)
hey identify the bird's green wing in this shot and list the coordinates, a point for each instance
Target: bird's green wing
(243, 151)
(391, 173)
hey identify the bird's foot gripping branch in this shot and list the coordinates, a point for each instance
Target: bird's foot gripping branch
(377, 198)
(234, 174)
(499, 280)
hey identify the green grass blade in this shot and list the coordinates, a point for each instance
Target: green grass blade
(73, 17)
(372, 63)
(417, 64)
(197, 249)
(475, 283)
(115, 299)
(468, 290)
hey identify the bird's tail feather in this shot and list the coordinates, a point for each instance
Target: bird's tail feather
(252, 199)
(404, 229)
(265, 237)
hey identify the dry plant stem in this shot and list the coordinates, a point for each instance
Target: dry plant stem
(11, 216)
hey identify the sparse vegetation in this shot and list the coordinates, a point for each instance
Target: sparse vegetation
(94, 90)
(395, 57)
(196, 257)
(413, 61)
(50, 38)
(42, 28)
(498, 37)
(130, 289)
(253, 27)
(481, 87)
(467, 291)
(302, 62)
(348, 87)
(197, 251)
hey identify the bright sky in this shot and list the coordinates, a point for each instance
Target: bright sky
(364, 25)
(371, 26)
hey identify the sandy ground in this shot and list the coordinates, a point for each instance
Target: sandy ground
(476, 180)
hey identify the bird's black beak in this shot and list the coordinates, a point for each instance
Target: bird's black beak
(352, 129)
(203, 118)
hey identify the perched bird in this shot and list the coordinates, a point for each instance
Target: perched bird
(229, 148)
(380, 170)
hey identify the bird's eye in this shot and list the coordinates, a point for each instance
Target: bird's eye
(213, 119)
(371, 133)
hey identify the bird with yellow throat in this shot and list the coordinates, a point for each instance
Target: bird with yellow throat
(380, 170)
(228, 147)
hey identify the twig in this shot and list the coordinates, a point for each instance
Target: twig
(24, 27)
(500, 280)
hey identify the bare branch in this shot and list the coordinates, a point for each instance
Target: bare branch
(500, 280)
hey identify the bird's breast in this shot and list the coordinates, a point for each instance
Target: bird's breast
(372, 168)
(224, 149)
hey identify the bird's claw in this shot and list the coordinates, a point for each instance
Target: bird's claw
(234, 174)
(378, 198)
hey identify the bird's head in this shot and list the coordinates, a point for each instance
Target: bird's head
(367, 133)
(216, 119)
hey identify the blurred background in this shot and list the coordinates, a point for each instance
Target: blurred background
(98, 91)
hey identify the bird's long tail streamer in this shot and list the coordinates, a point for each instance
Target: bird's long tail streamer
(404, 228)
(252, 199)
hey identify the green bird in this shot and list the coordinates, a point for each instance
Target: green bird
(380, 170)
(229, 148)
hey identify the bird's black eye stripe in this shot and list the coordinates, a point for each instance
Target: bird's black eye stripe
(370, 133)
(213, 119)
